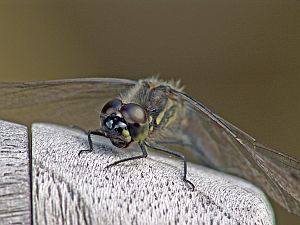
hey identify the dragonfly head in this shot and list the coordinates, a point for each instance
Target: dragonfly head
(124, 123)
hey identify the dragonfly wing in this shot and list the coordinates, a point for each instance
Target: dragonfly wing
(220, 145)
(70, 102)
(283, 171)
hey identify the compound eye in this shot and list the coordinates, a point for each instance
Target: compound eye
(112, 106)
(133, 113)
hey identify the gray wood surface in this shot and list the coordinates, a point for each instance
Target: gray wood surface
(68, 189)
(14, 175)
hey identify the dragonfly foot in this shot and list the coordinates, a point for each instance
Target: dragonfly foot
(190, 184)
(86, 150)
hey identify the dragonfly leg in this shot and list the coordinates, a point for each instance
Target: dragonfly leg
(89, 134)
(166, 150)
(144, 155)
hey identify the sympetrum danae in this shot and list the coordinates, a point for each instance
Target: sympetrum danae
(153, 112)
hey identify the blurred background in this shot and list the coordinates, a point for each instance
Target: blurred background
(239, 58)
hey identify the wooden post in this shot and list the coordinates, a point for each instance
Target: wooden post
(72, 189)
(68, 189)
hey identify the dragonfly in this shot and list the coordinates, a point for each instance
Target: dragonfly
(154, 113)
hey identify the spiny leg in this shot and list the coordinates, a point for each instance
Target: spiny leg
(164, 149)
(89, 133)
(144, 155)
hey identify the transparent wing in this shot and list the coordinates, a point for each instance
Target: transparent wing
(220, 145)
(70, 102)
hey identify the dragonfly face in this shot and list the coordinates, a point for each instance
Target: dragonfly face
(124, 123)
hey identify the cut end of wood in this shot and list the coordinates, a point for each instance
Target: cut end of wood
(73, 189)
(15, 201)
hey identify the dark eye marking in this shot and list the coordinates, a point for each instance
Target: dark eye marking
(115, 123)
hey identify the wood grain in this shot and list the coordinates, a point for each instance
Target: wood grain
(14, 175)
(69, 189)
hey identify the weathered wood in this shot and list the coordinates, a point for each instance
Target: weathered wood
(15, 206)
(69, 189)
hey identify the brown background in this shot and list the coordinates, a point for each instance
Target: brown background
(240, 58)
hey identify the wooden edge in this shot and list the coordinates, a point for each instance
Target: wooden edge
(15, 193)
(72, 189)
